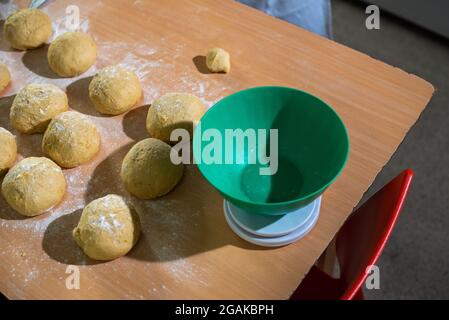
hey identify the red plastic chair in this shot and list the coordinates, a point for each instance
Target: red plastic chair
(359, 244)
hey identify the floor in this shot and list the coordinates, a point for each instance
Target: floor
(415, 263)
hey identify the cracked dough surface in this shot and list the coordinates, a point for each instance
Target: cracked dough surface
(174, 111)
(108, 228)
(33, 186)
(35, 105)
(114, 90)
(71, 139)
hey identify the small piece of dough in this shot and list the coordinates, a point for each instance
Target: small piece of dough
(108, 228)
(71, 139)
(33, 186)
(218, 60)
(8, 150)
(27, 29)
(173, 111)
(71, 54)
(114, 90)
(147, 170)
(35, 105)
(5, 76)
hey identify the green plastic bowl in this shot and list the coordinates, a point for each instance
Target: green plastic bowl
(313, 148)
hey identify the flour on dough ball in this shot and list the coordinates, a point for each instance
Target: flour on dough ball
(35, 105)
(5, 76)
(71, 139)
(147, 170)
(34, 186)
(218, 60)
(114, 90)
(8, 150)
(27, 29)
(173, 111)
(71, 54)
(108, 228)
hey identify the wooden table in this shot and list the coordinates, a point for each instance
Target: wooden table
(187, 249)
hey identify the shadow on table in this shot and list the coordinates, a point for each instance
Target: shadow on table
(36, 61)
(59, 244)
(134, 123)
(200, 64)
(78, 95)
(4, 45)
(182, 224)
(5, 107)
(177, 225)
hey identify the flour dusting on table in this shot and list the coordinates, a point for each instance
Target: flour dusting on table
(167, 222)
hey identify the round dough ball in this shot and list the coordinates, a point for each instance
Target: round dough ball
(114, 90)
(147, 171)
(71, 139)
(33, 186)
(218, 60)
(8, 150)
(5, 76)
(27, 29)
(35, 105)
(108, 228)
(71, 54)
(174, 111)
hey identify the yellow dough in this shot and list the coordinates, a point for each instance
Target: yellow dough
(27, 29)
(108, 228)
(71, 139)
(71, 54)
(114, 90)
(33, 186)
(8, 150)
(5, 76)
(147, 171)
(173, 111)
(35, 105)
(218, 60)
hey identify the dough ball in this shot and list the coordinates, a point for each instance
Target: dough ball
(114, 90)
(71, 54)
(71, 139)
(147, 171)
(174, 111)
(27, 29)
(35, 105)
(8, 150)
(5, 76)
(108, 228)
(33, 186)
(218, 60)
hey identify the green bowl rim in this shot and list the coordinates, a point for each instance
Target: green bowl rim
(289, 202)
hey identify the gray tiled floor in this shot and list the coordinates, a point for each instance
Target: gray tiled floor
(415, 263)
